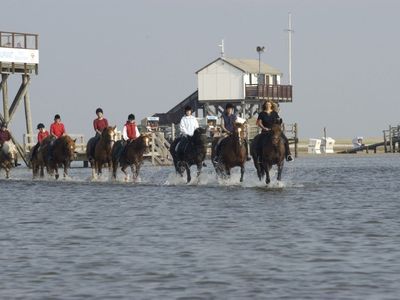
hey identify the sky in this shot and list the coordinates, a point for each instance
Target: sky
(141, 57)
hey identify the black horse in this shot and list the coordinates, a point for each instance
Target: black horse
(193, 152)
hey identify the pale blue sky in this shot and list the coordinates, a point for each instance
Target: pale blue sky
(140, 57)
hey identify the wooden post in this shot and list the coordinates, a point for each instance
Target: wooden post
(173, 131)
(28, 116)
(296, 140)
(390, 139)
(4, 88)
(153, 143)
(384, 141)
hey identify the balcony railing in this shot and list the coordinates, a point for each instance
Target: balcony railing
(279, 93)
(19, 40)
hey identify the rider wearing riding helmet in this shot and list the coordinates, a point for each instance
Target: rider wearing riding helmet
(100, 123)
(57, 130)
(266, 119)
(130, 132)
(5, 136)
(42, 134)
(187, 126)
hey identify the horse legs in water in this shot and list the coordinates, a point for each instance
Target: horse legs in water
(123, 169)
(267, 168)
(137, 169)
(241, 172)
(280, 167)
(134, 173)
(187, 168)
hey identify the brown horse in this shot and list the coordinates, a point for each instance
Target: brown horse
(194, 153)
(268, 149)
(102, 151)
(8, 157)
(131, 156)
(38, 158)
(232, 152)
(62, 152)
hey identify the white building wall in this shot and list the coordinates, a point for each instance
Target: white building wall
(220, 81)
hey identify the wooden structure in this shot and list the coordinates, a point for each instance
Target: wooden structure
(19, 55)
(246, 83)
(391, 142)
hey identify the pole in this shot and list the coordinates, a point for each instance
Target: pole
(28, 116)
(290, 31)
(6, 115)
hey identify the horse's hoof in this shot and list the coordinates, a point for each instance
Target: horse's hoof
(57, 176)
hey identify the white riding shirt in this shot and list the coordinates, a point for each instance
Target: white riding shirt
(188, 125)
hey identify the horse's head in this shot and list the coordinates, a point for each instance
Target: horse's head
(240, 131)
(200, 137)
(109, 135)
(146, 141)
(9, 152)
(70, 147)
(276, 133)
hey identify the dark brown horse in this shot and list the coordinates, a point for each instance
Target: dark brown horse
(38, 158)
(131, 156)
(8, 157)
(194, 153)
(268, 149)
(232, 152)
(102, 151)
(62, 152)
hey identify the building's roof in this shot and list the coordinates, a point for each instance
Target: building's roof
(247, 65)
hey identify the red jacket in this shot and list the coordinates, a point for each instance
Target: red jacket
(42, 135)
(57, 129)
(131, 130)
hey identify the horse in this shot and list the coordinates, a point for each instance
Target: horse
(101, 150)
(62, 153)
(272, 149)
(38, 158)
(232, 152)
(132, 156)
(8, 157)
(193, 153)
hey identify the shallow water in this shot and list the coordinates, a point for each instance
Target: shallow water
(330, 230)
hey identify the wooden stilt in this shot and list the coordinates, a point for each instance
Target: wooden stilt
(28, 116)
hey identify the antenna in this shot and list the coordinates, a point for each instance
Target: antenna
(222, 48)
(290, 31)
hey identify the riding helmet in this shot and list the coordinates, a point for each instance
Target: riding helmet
(229, 105)
(57, 116)
(131, 117)
(40, 125)
(99, 110)
(188, 107)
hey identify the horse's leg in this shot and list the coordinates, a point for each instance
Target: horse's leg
(187, 168)
(123, 169)
(65, 164)
(241, 172)
(280, 168)
(137, 169)
(99, 166)
(266, 169)
(134, 176)
(7, 172)
(114, 169)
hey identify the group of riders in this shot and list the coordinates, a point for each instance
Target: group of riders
(188, 124)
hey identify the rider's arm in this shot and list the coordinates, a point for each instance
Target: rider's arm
(125, 134)
(95, 127)
(137, 132)
(260, 124)
(182, 126)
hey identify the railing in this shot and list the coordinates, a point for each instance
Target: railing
(19, 40)
(280, 93)
(30, 140)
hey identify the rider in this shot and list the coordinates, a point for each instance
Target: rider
(130, 132)
(187, 127)
(42, 134)
(228, 119)
(5, 136)
(57, 130)
(99, 124)
(268, 117)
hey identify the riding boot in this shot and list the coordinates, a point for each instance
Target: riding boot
(288, 155)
